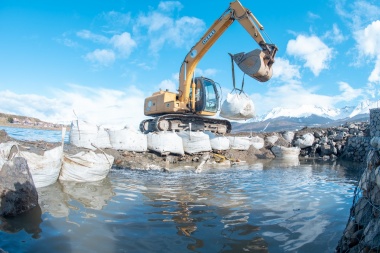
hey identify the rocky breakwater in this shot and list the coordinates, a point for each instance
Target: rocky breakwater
(362, 232)
(349, 141)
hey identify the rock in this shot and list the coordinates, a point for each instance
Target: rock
(363, 212)
(271, 139)
(288, 136)
(17, 191)
(305, 140)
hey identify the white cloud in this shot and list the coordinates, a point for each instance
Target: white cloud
(312, 15)
(285, 72)
(169, 85)
(289, 96)
(111, 108)
(357, 13)
(102, 57)
(170, 5)
(294, 95)
(312, 50)
(162, 29)
(123, 43)
(348, 93)
(368, 39)
(335, 35)
(375, 74)
(88, 35)
(368, 45)
(115, 19)
(206, 73)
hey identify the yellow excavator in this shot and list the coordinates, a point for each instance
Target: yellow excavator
(198, 97)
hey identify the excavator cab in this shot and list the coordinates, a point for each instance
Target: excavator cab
(206, 96)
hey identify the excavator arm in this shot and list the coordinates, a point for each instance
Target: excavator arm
(235, 12)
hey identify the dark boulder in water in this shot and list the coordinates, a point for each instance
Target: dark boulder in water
(17, 191)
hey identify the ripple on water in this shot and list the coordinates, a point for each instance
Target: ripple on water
(260, 208)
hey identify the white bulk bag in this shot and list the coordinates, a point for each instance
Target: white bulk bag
(85, 166)
(84, 134)
(195, 142)
(257, 142)
(218, 142)
(305, 140)
(285, 152)
(44, 168)
(237, 107)
(165, 142)
(239, 142)
(128, 139)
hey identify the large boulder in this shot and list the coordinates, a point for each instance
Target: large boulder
(17, 191)
(305, 140)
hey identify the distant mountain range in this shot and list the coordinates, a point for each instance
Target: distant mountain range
(281, 119)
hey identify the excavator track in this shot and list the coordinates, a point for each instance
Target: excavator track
(181, 122)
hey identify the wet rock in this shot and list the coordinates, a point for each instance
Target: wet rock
(17, 191)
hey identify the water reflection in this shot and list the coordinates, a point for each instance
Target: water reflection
(52, 200)
(93, 195)
(193, 202)
(266, 207)
(28, 221)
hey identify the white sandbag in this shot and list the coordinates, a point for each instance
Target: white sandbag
(165, 143)
(239, 142)
(237, 107)
(85, 166)
(44, 168)
(285, 152)
(257, 142)
(84, 134)
(195, 142)
(305, 140)
(128, 139)
(218, 142)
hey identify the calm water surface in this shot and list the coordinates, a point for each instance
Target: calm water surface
(265, 207)
(30, 134)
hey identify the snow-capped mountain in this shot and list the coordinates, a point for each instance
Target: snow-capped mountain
(306, 111)
(364, 107)
(280, 118)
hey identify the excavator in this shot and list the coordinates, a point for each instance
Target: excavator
(198, 97)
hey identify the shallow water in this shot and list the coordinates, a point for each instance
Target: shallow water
(29, 134)
(265, 207)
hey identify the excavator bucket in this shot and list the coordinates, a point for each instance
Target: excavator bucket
(254, 65)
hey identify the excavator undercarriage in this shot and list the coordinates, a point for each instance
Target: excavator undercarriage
(181, 122)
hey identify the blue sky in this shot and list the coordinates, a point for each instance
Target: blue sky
(98, 60)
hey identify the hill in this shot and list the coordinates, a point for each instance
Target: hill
(11, 120)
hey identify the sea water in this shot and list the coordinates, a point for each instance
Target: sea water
(29, 134)
(269, 206)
